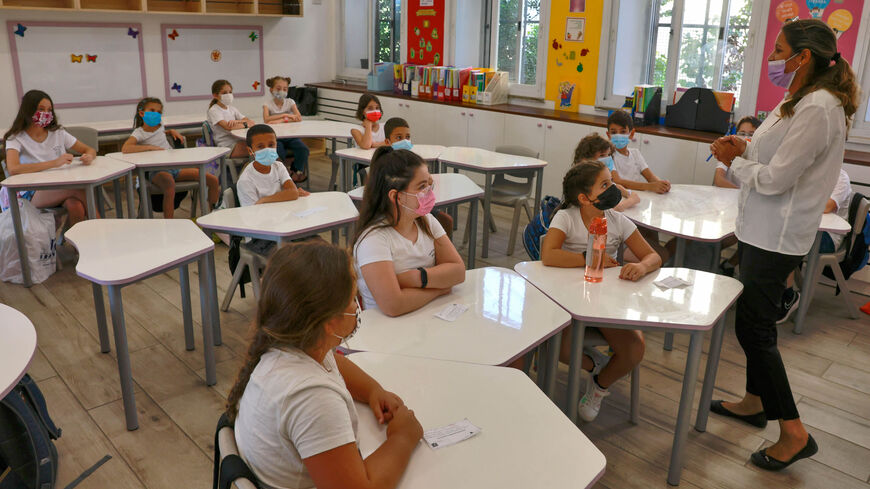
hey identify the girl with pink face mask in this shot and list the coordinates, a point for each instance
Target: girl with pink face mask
(402, 255)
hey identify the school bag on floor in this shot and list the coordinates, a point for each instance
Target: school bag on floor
(26, 433)
(39, 237)
(539, 225)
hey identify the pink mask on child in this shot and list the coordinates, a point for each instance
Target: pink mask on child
(425, 204)
(42, 118)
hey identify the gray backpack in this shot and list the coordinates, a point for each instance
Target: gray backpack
(28, 457)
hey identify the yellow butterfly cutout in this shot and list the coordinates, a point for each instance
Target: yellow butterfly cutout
(75, 58)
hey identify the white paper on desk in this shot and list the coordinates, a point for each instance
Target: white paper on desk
(450, 435)
(308, 212)
(451, 312)
(671, 282)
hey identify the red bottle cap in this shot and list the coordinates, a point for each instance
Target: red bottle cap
(598, 226)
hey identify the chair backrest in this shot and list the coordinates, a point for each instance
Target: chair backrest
(231, 472)
(87, 135)
(207, 135)
(229, 198)
(860, 218)
(510, 149)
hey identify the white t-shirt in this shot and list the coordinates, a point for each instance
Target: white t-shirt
(286, 108)
(569, 221)
(386, 244)
(842, 195)
(56, 144)
(728, 174)
(253, 185)
(377, 136)
(631, 166)
(155, 138)
(222, 137)
(293, 408)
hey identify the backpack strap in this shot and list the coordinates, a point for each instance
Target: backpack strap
(233, 468)
(38, 442)
(34, 396)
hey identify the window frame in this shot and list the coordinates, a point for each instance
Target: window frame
(536, 91)
(860, 131)
(397, 16)
(355, 74)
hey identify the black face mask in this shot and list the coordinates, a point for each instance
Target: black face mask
(608, 199)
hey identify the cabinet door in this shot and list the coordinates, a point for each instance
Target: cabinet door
(485, 129)
(524, 131)
(670, 158)
(421, 117)
(391, 107)
(704, 170)
(451, 125)
(560, 140)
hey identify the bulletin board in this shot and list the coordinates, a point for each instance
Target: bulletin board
(572, 52)
(194, 56)
(426, 32)
(844, 16)
(78, 64)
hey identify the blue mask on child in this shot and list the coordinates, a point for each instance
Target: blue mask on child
(403, 144)
(266, 156)
(608, 161)
(152, 118)
(619, 140)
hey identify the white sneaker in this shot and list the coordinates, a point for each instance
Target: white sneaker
(599, 359)
(590, 404)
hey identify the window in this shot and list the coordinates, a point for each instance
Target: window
(519, 35)
(860, 132)
(388, 36)
(683, 43)
(370, 29)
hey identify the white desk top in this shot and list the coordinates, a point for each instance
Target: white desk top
(121, 251)
(694, 307)
(307, 129)
(525, 441)
(172, 157)
(72, 175)
(429, 152)
(833, 223)
(449, 188)
(126, 125)
(302, 216)
(696, 212)
(506, 317)
(482, 159)
(16, 348)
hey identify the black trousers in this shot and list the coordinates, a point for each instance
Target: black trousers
(763, 275)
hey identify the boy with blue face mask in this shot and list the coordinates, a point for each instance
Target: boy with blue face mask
(630, 169)
(266, 179)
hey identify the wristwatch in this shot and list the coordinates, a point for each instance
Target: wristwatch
(245, 123)
(424, 277)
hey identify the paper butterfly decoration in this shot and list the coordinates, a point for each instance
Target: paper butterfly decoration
(253, 35)
(92, 58)
(556, 44)
(216, 55)
(176, 87)
(75, 58)
(19, 30)
(584, 52)
(173, 34)
(558, 63)
(256, 85)
(132, 32)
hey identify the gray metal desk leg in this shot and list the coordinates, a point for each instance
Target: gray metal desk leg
(131, 204)
(809, 284)
(472, 233)
(487, 202)
(101, 205)
(123, 354)
(222, 164)
(710, 375)
(554, 346)
(119, 207)
(144, 200)
(541, 374)
(717, 255)
(539, 190)
(100, 309)
(212, 289)
(578, 331)
(203, 191)
(205, 299)
(335, 236)
(679, 259)
(91, 204)
(19, 237)
(681, 432)
(184, 279)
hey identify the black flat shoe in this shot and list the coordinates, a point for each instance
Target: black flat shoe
(759, 420)
(763, 460)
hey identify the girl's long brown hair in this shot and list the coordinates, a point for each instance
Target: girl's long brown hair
(304, 286)
(24, 118)
(837, 78)
(579, 180)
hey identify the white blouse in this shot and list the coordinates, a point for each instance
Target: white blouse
(787, 174)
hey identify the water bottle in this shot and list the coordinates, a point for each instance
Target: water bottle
(595, 249)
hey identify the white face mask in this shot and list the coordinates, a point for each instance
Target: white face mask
(227, 98)
(279, 94)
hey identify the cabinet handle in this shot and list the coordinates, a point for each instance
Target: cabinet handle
(471, 114)
(549, 126)
(646, 141)
(463, 113)
(540, 125)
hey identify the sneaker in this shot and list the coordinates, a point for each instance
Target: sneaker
(590, 404)
(790, 301)
(599, 359)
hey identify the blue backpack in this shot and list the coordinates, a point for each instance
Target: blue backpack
(539, 225)
(26, 433)
(857, 253)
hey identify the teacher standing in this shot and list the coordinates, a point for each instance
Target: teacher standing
(787, 174)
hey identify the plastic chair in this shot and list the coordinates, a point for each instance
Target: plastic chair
(511, 189)
(226, 163)
(230, 471)
(191, 187)
(253, 262)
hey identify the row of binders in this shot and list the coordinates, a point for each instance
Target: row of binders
(451, 84)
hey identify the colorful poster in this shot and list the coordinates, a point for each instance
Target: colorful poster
(425, 29)
(842, 15)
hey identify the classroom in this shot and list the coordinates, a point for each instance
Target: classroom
(286, 244)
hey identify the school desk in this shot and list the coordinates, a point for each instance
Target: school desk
(172, 159)
(490, 163)
(119, 252)
(428, 152)
(107, 128)
(506, 318)
(72, 176)
(16, 349)
(623, 304)
(524, 442)
(450, 188)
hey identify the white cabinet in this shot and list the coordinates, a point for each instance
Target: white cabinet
(670, 158)
(525, 131)
(460, 126)
(560, 140)
(485, 129)
(418, 115)
(704, 170)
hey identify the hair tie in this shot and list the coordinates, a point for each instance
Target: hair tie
(836, 57)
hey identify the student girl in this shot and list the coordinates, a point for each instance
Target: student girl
(223, 118)
(293, 401)
(368, 111)
(590, 193)
(36, 142)
(278, 109)
(404, 259)
(723, 176)
(595, 147)
(150, 135)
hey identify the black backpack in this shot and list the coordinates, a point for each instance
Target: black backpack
(857, 252)
(305, 98)
(28, 456)
(233, 257)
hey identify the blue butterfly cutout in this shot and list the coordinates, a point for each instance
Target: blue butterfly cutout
(20, 30)
(132, 32)
(176, 87)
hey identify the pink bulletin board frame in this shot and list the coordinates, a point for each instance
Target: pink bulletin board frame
(13, 48)
(164, 28)
(769, 95)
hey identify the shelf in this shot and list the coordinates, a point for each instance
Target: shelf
(176, 6)
(265, 8)
(229, 7)
(114, 5)
(55, 4)
(280, 7)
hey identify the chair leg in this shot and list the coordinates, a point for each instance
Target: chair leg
(635, 394)
(231, 290)
(254, 267)
(234, 174)
(845, 291)
(194, 196)
(334, 174)
(512, 241)
(527, 209)
(491, 221)
(467, 228)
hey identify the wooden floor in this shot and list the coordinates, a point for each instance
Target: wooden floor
(829, 370)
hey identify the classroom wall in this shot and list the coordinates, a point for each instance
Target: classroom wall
(303, 48)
